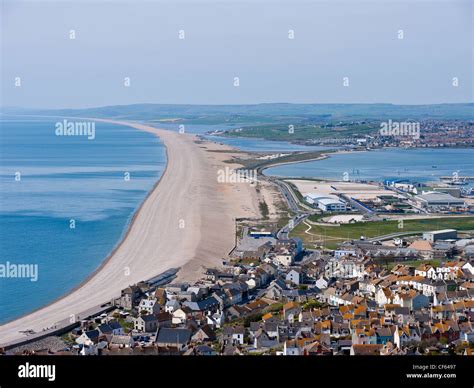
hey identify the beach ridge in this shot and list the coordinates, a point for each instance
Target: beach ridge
(154, 241)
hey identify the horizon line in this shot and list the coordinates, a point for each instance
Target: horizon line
(242, 104)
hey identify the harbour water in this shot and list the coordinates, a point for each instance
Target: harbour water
(420, 165)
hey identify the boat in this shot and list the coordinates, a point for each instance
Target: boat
(457, 183)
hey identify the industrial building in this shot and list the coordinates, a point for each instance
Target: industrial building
(432, 199)
(454, 191)
(444, 234)
(325, 202)
(312, 198)
(331, 205)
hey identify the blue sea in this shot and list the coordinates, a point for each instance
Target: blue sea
(64, 178)
(421, 165)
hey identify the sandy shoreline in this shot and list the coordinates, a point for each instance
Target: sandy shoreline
(187, 221)
(323, 156)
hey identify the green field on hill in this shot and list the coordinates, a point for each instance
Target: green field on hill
(330, 236)
(303, 131)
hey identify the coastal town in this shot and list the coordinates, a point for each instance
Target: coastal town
(408, 292)
(279, 299)
(373, 134)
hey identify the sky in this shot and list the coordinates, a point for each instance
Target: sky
(128, 52)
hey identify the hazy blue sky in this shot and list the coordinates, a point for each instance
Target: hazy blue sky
(227, 39)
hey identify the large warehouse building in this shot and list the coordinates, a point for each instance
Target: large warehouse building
(433, 199)
(326, 203)
(445, 234)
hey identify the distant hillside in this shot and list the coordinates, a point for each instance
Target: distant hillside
(263, 112)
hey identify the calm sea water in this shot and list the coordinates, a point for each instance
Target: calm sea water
(420, 165)
(64, 178)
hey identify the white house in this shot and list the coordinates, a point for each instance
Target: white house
(233, 335)
(383, 296)
(322, 282)
(179, 317)
(450, 269)
(429, 287)
(238, 335)
(216, 320)
(294, 276)
(150, 306)
(284, 259)
(425, 270)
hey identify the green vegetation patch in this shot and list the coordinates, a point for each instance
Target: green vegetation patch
(331, 236)
(305, 131)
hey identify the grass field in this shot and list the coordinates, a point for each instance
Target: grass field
(330, 236)
(303, 131)
(412, 263)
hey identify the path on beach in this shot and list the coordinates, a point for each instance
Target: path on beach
(186, 221)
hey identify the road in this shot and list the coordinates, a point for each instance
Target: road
(293, 203)
(392, 235)
(365, 210)
(283, 233)
(288, 195)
